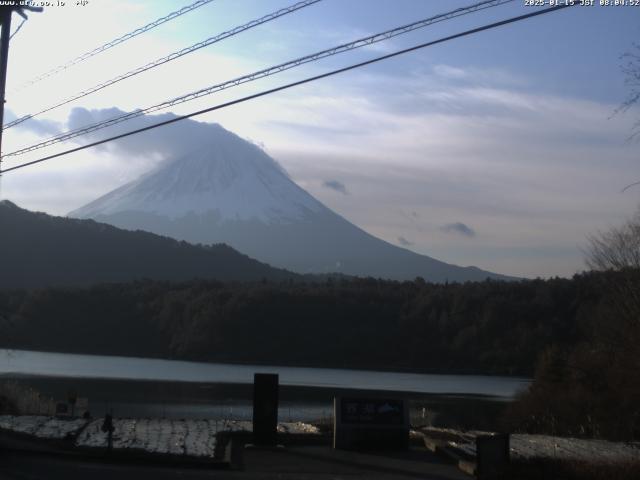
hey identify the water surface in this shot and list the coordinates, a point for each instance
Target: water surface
(22, 362)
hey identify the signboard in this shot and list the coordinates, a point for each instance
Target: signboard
(370, 424)
(372, 411)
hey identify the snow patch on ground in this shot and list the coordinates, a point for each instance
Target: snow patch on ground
(528, 447)
(40, 426)
(193, 438)
(544, 446)
(297, 428)
(292, 428)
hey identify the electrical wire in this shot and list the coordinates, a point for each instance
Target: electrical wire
(295, 84)
(117, 41)
(263, 73)
(18, 29)
(172, 56)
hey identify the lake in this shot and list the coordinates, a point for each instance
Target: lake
(21, 362)
(178, 389)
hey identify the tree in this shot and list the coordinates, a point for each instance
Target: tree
(615, 344)
(592, 387)
(617, 248)
(631, 69)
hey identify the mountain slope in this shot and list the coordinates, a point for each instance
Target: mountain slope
(231, 191)
(40, 250)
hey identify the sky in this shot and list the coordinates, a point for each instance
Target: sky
(500, 150)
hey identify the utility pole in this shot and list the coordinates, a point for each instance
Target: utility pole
(5, 18)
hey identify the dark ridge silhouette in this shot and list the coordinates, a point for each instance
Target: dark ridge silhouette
(41, 250)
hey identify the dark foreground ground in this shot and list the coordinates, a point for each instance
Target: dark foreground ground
(183, 400)
(285, 463)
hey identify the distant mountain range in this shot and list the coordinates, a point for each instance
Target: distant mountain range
(39, 250)
(230, 191)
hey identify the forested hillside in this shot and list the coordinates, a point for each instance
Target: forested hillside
(42, 250)
(483, 327)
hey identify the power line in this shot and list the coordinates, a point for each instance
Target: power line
(170, 57)
(6, 11)
(297, 83)
(262, 73)
(18, 29)
(117, 41)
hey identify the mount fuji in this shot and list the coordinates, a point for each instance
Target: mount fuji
(230, 191)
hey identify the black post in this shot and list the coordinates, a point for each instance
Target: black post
(492, 456)
(265, 409)
(72, 398)
(108, 428)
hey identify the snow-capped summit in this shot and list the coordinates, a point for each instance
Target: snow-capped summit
(230, 191)
(229, 177)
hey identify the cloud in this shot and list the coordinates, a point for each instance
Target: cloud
(479, 76)
(448, 71)
(459, 228)
(169, 141)
(40, 127)
(64, 185)
(336, 185)
(404, 242)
